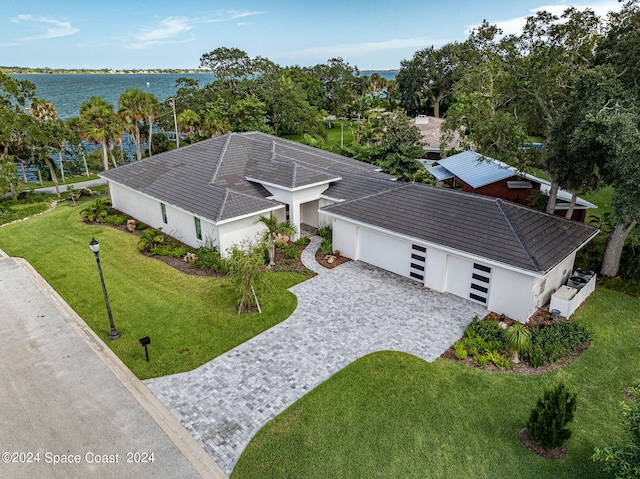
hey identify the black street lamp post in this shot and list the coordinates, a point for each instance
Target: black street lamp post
(95, 247)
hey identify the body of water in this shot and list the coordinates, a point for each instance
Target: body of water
(68, 91)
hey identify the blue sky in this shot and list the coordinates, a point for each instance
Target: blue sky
(372, 35)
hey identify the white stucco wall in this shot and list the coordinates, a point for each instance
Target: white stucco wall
(436, 270)
(344, 237)
(385, 251)
(458, 280)
(323, 219)
(553, 280)
(303, 203)
(510, 293)
(236, 232)
(180, 224)
(309, 213)
(132, 203)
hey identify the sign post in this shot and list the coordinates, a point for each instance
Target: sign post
(144, 342)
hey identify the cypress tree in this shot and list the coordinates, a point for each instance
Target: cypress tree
(548, 421)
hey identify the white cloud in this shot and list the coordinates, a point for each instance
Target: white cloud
(56, 28)
(515, 25)
(359, 49)
(170, 27)
(178, 29)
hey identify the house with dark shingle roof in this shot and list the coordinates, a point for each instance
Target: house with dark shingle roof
(508, 257)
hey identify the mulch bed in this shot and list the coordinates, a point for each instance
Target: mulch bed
(557, 453)
(521, 368)
(540, 318)
(322, 260)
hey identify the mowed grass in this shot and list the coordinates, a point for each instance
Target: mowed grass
(391, 414)
(10, 211)
(190, 319)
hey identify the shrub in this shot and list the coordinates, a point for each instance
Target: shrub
(292, 253)
(280, 245)
(560, 339)
(117, 220)
(95, 211)
(325, 232)
(326, 246)
(548, 420)
(623, 458)
(537, 357)
(481, 361)
(487, 330)
(150, 238)
(479, 345)
(499, 360)
(502, 362)
(208, 257)
(171, 251)
(459, 352)
(302, 241)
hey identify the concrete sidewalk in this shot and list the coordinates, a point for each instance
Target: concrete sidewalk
(66, 397)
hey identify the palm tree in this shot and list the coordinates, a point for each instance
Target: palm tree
(130, 108)
(189, 122)
(214, 126)
(97, 120)
(46, 135)
(75, 126)
(274, 227)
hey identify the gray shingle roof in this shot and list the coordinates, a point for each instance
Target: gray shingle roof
(217, 179)
(479, 225)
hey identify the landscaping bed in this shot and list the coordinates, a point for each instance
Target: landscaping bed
(555, 343)
(206, 260)
(323, 259)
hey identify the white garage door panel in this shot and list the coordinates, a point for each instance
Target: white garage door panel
(384, 251)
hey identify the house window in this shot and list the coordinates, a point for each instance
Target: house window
(198, 228)
(163, 207)
(480, 281)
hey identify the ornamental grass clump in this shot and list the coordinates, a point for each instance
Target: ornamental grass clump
(518, 339)
(548, 420)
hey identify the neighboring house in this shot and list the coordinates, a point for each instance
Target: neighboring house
(474, 173)
(508, 257)
(431, 129)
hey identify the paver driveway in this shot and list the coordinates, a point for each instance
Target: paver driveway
(342, 314)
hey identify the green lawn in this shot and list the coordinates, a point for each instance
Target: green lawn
(393, 415)
(10, 211)
(190, 319)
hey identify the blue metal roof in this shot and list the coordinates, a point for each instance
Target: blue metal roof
(440, 173)
(474, 169)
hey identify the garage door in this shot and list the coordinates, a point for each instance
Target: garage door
(385, 252)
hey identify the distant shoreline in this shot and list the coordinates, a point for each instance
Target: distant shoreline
(80, 71)
(59, 71)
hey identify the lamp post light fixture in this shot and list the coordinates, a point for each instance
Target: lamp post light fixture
(95, 247)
